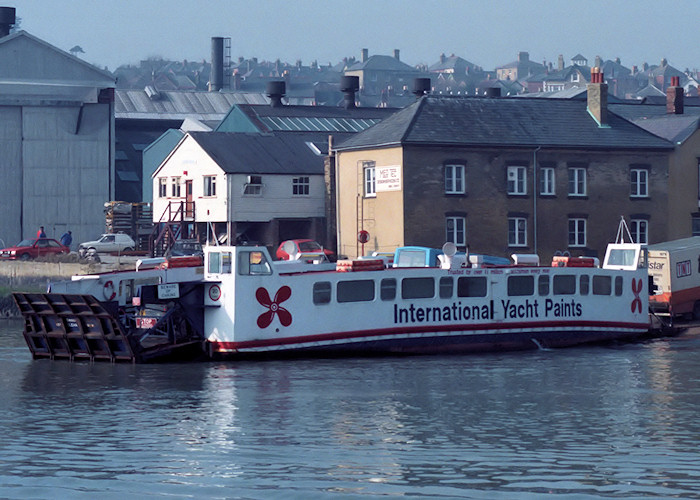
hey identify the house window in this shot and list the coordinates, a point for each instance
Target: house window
(162, 187)
(639, 228)
(175, 187)
(577, 232)
(300, 186)
(369, 179)
(454, 227)
(517, 231)
(454, 179)
(517, 177)
(577, 181)
(547, 181)
(695, 225)
(209, 185)
(254, 186)
(639, 180)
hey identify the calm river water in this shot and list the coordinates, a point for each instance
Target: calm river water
(593, 422)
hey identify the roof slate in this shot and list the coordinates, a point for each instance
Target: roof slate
(503, 122)
(260, 153)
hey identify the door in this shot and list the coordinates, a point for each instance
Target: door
(189, 203)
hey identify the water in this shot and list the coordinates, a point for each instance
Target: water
(594, 422)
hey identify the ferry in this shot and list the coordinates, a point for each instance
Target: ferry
(239, 303)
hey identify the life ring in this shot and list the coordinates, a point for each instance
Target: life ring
(108, 290)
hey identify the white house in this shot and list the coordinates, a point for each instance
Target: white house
(254, 187)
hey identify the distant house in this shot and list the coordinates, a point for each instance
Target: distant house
(519, 69)
(502, 176)
(383, 78)
(235, 186)
(56, 148)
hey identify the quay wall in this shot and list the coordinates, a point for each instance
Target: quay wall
(32, 276)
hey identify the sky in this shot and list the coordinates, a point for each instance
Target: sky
(488, 33)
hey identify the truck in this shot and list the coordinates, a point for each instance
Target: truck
(674, 267)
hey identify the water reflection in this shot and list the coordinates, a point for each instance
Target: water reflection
(613, 421)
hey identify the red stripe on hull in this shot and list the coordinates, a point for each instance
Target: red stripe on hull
(595, 329)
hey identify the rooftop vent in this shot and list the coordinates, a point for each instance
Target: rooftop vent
(349, 85)
(7, 20)
(421, 87)
(275, 91)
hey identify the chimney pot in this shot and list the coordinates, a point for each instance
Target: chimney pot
(275, 91)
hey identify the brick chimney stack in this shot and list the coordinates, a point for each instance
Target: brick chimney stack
(674, 97)
(598, 97)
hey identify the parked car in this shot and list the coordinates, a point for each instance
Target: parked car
(31, 249)
(292, 247)
(185, 247)
(118, 242)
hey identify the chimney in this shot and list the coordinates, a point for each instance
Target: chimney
(421, 87)
(443, 58)
(348, 86)
(216, 81)
(523, 57)
(275, 91)
(598, 98)
(560, 62)
(674, 97)
(7, 20)
(365, 55)
(396, 54)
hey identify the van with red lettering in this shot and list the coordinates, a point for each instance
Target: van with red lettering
(674, 267)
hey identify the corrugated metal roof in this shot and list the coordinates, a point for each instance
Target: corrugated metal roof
(179, 105)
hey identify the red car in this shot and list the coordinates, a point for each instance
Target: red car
(31, 249)
(301, 246)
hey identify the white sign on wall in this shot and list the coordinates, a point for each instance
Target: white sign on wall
(388, 178)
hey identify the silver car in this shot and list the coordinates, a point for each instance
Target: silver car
(108, 243)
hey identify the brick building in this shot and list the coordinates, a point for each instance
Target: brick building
(502, 176)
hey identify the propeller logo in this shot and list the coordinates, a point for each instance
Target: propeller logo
(273, 306)
(636, 289)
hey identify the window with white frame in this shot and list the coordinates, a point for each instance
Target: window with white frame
(639, 182)
(209, 185)
(577, 232)
(454, 179)
(253, 187)
(300, 186)
(639, 228)
(368, 169)
(455, 230)
(175, 187)
(577, 181)
(695, 225)
(547, 181)
(162, 187)
(517, 231)
(517, 180)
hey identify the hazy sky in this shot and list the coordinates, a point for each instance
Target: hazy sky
(489, 33)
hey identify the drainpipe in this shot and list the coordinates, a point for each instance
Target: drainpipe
(534, 199)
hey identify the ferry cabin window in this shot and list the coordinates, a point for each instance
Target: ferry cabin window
(322, 292)
(411, 258)
(521, 285)
(543, 285)
(214, 263)
(564, 284)
(583, 283)
(387, 289)
(622, 257)
(618, 285)
(249, 263)
(468, 286)
(355, 291)
(417, 288)
(602, 285)
(446, 286)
